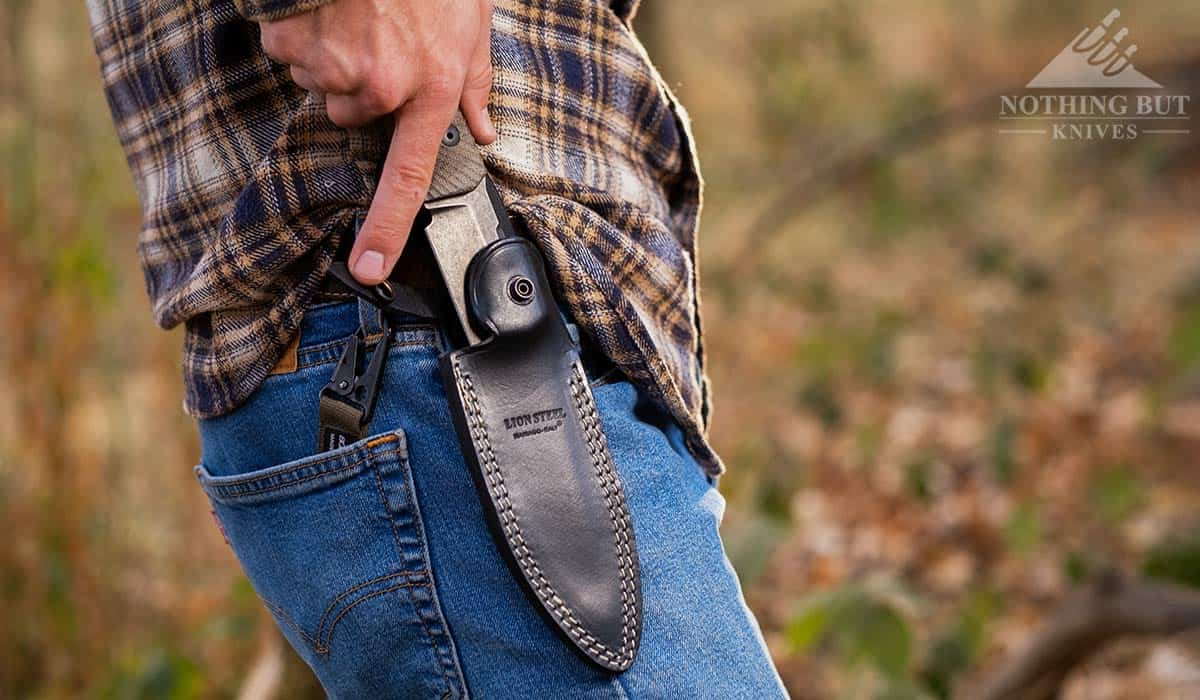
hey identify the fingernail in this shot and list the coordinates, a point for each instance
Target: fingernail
(369, 265)
(487, 119)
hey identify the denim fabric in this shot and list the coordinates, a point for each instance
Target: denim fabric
(377, 563)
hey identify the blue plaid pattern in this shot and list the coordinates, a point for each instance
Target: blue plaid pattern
(246, 186)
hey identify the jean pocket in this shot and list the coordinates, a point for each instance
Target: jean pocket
(334, 546)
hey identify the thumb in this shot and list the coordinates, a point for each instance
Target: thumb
(403, 184)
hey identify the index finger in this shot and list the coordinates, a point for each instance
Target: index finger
(403, 184)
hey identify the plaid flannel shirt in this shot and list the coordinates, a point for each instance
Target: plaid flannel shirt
(246, 186)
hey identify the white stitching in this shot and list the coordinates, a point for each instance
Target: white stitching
(618, 517)
(613, 497)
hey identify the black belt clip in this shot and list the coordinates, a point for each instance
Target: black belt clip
(348, 400)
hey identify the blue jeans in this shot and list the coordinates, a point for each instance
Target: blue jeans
(376, 560)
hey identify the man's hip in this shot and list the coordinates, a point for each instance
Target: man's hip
(378, 565)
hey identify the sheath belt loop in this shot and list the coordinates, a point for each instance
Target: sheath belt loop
(347, 402)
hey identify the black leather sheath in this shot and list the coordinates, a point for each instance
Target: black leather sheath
(532, 435)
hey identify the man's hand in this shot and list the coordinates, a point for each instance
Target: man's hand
(418, 60)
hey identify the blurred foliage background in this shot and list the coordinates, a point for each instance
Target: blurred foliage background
(956, 372)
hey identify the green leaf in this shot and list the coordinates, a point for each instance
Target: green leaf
(858, 627)
(990, 256)
(882, 639)
(1024, 528)
(809, 627)
(750, 543)
(901, 689)
(1177, 559)
(1029, 372)
(916, 479)
(1116, 493)
(956, 649)
(158, 673)
(1185, 339)
(1077, 567)
(820, 399)
(1001, 447)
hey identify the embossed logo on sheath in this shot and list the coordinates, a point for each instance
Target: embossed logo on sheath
(535, 423)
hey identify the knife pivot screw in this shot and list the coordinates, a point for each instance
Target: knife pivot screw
(520, 289)
(452, 137)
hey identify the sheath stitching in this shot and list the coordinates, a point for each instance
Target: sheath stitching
(614, 498)
(618, 518)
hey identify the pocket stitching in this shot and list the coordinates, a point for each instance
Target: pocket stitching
(329, 608)
(451, 681)
(286, 484)
(321, 641)
(324, 650)
(284, 617)
(325, 647)
(218, 484)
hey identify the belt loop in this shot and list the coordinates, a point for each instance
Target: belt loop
(369, 318)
